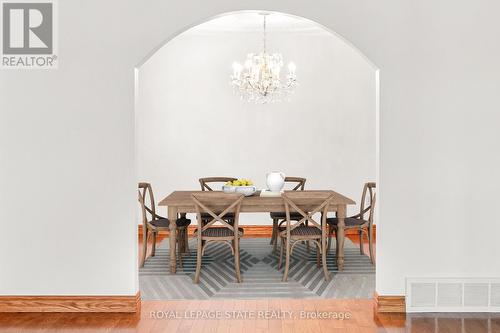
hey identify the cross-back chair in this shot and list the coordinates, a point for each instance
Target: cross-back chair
(206, 184)
(306, 228)
(206, 181)
(152, 223)
(296, 184)
(359, 221)
(218, 227)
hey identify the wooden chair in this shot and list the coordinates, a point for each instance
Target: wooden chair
(316, 232)
(205, 186)
(158, 223)
(218, 229)
(358, 221)
(204, 182)
(298, 184)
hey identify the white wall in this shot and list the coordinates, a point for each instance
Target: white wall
(66, 139)
(189, 124)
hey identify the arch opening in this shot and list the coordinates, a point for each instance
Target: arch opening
(338, 94)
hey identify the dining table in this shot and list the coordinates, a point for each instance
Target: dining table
(180, 202)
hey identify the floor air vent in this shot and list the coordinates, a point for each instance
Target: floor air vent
(452, 295)
(495, 294)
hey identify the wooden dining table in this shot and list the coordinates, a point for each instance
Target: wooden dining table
(180, 202)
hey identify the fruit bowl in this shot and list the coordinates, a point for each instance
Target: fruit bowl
(245, 190)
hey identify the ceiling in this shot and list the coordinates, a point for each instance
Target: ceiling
(252, 22)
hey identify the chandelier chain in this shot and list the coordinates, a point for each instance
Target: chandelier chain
(264, 34)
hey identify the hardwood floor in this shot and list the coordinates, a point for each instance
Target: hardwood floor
(359, 318)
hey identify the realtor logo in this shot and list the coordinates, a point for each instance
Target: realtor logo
(28, 34)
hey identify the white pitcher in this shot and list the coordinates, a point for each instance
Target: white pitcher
(275, 181)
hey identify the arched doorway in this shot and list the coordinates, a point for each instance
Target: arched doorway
(335, 105)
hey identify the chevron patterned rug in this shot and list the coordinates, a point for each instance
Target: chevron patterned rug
(260, 274)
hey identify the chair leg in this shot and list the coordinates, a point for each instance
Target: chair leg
(186, 240)
(318, 253)
(180, 239)
(237, 260)
(370, 245)
(145, 235)
(323, 257)
(336, 246)
(153, 250)
(180, 243)
(144, 246)
(198, 262)
(308, 248)
(281, 239)
(277, 242)
(287, 259)
(329, 238)
(361, 249)
(276, 238)
(179, 253)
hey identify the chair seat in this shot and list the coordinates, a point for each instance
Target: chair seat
(219, 232)
(349, 222)
(206, 216)
(165, 223)
(303, 231)
(183, 222)
(282, 215)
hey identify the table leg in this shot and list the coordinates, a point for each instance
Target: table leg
(341, 214)
(324, 247)
(172, 217)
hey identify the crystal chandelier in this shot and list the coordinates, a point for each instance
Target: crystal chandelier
(258, 80)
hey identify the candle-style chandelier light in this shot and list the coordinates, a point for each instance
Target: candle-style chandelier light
(258, 79)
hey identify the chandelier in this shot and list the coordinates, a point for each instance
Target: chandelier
(258, 79)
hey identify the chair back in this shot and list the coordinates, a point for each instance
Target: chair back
(298, 183)
(367, 200)
(205, 181)
(143, 211)
(317, 202)
(212, 202)
(145, 193)
(372, 210)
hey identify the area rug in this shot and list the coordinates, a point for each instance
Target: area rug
(260, 273)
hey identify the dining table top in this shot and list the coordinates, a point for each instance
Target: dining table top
(183, 200)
